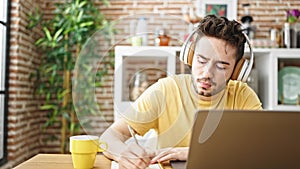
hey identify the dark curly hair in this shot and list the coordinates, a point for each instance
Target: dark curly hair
(222, 28)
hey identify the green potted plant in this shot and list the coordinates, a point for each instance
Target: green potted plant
(63, 38)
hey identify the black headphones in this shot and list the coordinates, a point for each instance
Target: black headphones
(242, 68)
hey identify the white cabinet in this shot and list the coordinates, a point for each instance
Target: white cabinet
(157, 62)
(163, 61)
(269, 62)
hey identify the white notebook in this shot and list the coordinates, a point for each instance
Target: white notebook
(149, 140)
(115, 165)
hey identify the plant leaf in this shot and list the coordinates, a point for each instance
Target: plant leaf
(85, 24)
(56, 35)
(48, 106)
(47, 33)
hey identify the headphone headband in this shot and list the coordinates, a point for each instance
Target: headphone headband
(241, 70)
(250, 64)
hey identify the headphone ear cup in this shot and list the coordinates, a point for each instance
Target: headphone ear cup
(183, 53)
(187, 53)
(190, 54)
(187, 50)
(237, 70)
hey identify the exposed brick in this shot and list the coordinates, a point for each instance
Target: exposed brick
(25, 120)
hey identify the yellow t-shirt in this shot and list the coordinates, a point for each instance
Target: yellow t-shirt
(169, 106)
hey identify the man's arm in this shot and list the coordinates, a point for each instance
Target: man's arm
(127, 155)
(115, 136)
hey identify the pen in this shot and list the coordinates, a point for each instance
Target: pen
(160, 166)
(132, 133)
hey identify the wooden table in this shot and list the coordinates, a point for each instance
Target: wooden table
(63, 161)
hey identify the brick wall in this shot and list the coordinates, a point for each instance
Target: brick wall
(268, 14)
(24, 119)
(25, 136)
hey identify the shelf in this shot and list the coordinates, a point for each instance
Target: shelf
(155, 62)
(269, 64)
(287, 107)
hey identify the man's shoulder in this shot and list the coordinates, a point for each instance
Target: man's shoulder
(238, 87)
(177, 81)
(178, 78)
(242, 95)
(237, 84)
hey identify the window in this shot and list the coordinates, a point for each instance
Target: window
(3, 78)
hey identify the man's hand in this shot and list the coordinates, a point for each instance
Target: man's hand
(135, 157)
(177, 153)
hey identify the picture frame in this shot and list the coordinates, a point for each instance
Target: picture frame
(227, 8)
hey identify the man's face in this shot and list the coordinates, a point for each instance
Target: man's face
(212, 65)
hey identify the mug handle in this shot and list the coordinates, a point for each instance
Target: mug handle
(102, 146)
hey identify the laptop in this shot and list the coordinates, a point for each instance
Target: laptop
(244, 139)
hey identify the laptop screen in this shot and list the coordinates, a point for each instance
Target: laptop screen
(245, 139)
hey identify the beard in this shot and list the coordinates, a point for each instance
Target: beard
(207, 92)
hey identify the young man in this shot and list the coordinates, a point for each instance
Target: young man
(168, 106)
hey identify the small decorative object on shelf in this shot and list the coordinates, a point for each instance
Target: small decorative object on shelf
(289, 85)
(275, 37)
(140, 37)
(163, 39)
(247, 19)
(287, 35)
(138, 85)
(291, 29)
(292, 15)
